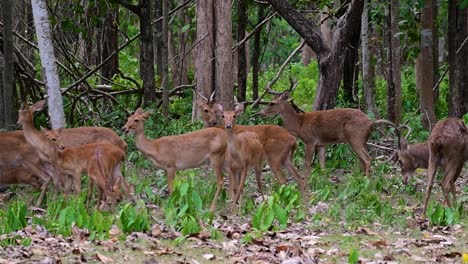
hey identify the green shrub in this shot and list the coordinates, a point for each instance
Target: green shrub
(134, 218)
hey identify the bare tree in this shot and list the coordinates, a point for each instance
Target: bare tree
(46, 52)
(330, 60)
(165, 61)
(256, 52)
(368, 69)
(241, 51)
(426, 69)
(7, 109)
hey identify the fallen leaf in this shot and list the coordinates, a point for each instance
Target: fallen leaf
(114, 231)
(208, 256)
(366, 231)
(465, 258)
(103, 259)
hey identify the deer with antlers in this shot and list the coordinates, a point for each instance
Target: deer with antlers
(186, 151)
(321, 128)
(278, 144)
(244, 151)
(448, 148)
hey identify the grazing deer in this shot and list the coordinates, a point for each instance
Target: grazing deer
(18, 175)
(172, 153)
(448, 148)
(321, 128)
(409, 156)
(278, 144)
(244, 151)
(70, 137)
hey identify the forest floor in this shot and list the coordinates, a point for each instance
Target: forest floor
(337, 228)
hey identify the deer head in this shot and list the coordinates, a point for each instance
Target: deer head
(229, 117)
(136, 121)
(276, 105)
(54, 137)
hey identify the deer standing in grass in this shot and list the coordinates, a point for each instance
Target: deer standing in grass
(321, 128)
(278, 144)
(448, 148)
(186, 151)
(49, 150)
(244, 151)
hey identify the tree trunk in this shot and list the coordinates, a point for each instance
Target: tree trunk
(223, 53)
(146, 52)
(458, 76)
(427, 66)
(241, 51)
(165, 61)
(396, 57)
(158, 39)
(46, 52)
(368, 70)
(204, 59)
(350, 70)
(256, 52)
(330, 60)
(110, 44)
(7, 109)
(2, 107)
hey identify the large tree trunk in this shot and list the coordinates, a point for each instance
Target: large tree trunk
(7, 110)
(110, 44)
(204, 60)
(46, 52)
(350, 70)
(147, 52)
(458, 65)
(165, 61)
(368, 69)
(426, 57)
(330, 60)
(241, 51)
(223, 54)
(256, 52)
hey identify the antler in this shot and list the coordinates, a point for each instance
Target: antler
(212, 96)
(408, 128)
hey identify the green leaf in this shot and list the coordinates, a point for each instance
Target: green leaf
(281, 215)
(185, 28)
(353, 256)
(268, 220)
(184, 189)
(449, 216)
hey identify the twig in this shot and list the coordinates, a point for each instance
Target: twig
(251, 34)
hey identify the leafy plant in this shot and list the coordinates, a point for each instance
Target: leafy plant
(278, 206)
(134, 218)
(353, 256)
(14, 218)
(443, 216)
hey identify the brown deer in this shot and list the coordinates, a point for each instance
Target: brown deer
(321, 128)
(409, 156)
(100, 161)
(172, 153)
(18, 175)
(448, 148)
(69, 137)
(244, 151)
(278, 144)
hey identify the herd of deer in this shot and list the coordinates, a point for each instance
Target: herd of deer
(36, 157)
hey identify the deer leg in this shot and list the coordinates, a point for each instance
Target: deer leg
(170, 172)
(241, 184)
(364, 158)
(309, 157)
(232, 182)
(447, 184)
(258, 176)
(90, 192)
(218, 168)
(322, 153)
(431, 171)
(275, 166)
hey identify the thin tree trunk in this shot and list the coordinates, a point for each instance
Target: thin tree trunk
(223, 53)
(396, 58)
(46, 52)
(241, 51)
(427, 66)
(8, 67)
(158, 39)
(368, 70)
(111, 44)
(256, 52)
(165, 61)
(147, 52)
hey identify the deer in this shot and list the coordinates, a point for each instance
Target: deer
(70, 137)
(179, 152)
(409, 156)
(278, 144)
(244, 151)
(321, 128)
(448, 148)
(100, 161)
(18, 175)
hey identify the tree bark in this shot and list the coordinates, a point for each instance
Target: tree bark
(7, 109)
(46, 52)
(241, 51)
(330, 60)
(368, 70)
(427, 66)
(223, 53)
(458, 76)
(165, 61)
(256, 52)
(110, 44)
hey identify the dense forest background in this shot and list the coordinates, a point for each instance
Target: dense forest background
(401, 60)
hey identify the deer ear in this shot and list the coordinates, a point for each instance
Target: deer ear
(239, 108)
(44, 130)
(403, 144)
(59, 130)
(38, 106)
(284, 96)
(218, 108)
(24, 106)
(139, 110)
(147, 114)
